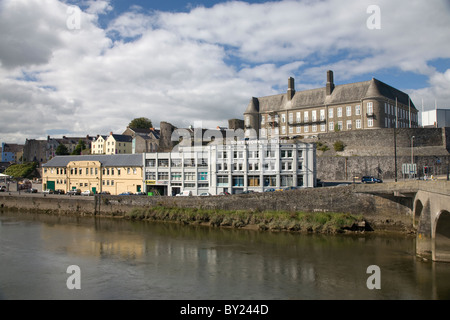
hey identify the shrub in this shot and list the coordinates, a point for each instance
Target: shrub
(339, 146)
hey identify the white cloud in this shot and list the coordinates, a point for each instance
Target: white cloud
(201, 65)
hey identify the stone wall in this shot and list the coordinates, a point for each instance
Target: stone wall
(380, 212)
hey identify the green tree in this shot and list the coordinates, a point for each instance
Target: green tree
(339, 146)
(140, 123)
(80, 147)
(62, 150)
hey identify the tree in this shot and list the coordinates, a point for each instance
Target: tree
(62, 150)
(141, 123)
(80, 147)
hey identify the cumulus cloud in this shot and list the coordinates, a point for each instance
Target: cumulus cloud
(204, 64)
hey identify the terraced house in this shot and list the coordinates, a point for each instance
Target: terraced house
(356, 106)
(115, 174)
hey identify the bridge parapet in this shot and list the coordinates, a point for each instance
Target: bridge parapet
(405, 187)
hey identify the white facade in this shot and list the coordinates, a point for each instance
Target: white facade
(234, 168)
(437, 118)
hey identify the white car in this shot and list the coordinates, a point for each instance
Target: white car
(205, 194)
(86, 193)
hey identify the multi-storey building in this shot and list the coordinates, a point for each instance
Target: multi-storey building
(234, 168)
(357, 106)
(11, 152)
(112, 144)
(112, 173)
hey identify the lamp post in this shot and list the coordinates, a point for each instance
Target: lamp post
(412, 156)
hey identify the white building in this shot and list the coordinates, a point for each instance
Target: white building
(235, 168)
(437, 118)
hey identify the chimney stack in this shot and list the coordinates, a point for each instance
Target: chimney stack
(291, 88)
(330, 82)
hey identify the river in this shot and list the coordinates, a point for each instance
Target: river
(121, 259)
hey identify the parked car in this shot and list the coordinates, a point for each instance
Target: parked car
(105, 192)
(60, 191)
(185, 194)
(290, 188)
(205, 194)
(74, 192)
(48, 191)
(31, 190)
(140, 193)
(2, 188)
(270, 190)
(224, 194)
(87, 193)
(127, 193)
(370, 179)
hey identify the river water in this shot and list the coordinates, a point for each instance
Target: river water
(121, 259)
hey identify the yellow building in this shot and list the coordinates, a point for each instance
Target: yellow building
(115, 174)
(98, 145)
(113, 144)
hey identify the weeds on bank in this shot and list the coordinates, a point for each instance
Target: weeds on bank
(320, 222)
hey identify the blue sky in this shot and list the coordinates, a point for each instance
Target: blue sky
(89, 67)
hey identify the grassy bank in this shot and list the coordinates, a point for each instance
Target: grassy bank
(318, 222)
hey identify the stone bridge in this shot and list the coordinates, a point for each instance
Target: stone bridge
(430, 211)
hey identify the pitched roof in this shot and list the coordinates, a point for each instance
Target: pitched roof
(341, 94)
(115, 160)
(122, 138)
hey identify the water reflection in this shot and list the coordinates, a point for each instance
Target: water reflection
(137, 260)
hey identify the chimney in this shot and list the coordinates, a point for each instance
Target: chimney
(330, 82)
(111, 133)
(291, 88)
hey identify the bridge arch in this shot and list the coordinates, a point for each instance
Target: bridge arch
(441, 250)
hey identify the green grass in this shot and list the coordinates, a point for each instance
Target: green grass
(318, 222)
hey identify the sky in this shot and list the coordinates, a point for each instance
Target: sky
(78, 68)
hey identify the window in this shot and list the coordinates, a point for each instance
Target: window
(330, 113)
(291, 117)
(263, 119)
(306, 116)
(270, 181)
(283, 118)
(291, 130)
(331, 126)
(150, 176)
(189, 176)
(370, 108)
(150, 162)
(222, 181)
(306, 129)
(175, 176)
(358, 124)
(238, 181)
(298, 116)
(164, 163)
(322, 114)
(283, 130)
(340, 125)
(286, 181)
(286, 153)
(339, 112)
(298, 129)
(163, 176)
(203, 176)
(348, 111)
(358, 110)
(322, 127)
(314, 115)
(118, 171)
(349, 124)
(300, 181)
(314, 128)
(253, 181)
(370, 122)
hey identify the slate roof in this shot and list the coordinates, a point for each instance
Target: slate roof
(115, 160)
(346, 93)
(122, 138)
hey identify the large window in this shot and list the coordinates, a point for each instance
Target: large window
(164, 163)
(189, 176)
(163, 176)
(238, 181)
(203, 176)
(370, 108)
(270, 181)
(222, 181)
(253, 181)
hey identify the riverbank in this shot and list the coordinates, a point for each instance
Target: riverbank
(320, 210)
(322, 222)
